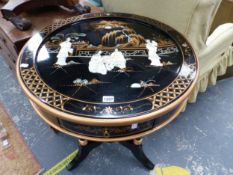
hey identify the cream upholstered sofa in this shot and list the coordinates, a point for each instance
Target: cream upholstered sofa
(193, 18)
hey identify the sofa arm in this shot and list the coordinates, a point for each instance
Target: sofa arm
(218, 41)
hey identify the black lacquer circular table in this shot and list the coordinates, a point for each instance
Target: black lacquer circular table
(108, 77)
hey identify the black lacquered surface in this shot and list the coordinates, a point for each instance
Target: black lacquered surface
(114, 83)
(134, 90)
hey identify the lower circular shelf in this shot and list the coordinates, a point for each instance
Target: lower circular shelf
(108, 134)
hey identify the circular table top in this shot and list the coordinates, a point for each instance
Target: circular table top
(107, 66)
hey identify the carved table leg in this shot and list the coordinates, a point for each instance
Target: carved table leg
(135, 147)
(85, 148)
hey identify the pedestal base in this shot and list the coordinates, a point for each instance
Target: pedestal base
(135, 146)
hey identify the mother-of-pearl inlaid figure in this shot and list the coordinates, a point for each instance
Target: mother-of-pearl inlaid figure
(66, 48)
(103, 64)
(96, 64)
(152, 53)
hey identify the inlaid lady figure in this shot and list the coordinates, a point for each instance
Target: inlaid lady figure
(152, 53)
(66, 48)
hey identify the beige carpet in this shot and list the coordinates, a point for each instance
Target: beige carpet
(18, 158)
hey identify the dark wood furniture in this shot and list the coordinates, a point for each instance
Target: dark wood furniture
(12, 10)
(12, 39)
(108, 78)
